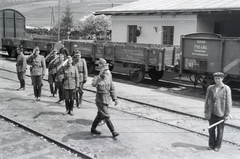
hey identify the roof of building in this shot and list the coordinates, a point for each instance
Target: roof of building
(172, 6)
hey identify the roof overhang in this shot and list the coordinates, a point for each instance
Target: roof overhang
(159, 12)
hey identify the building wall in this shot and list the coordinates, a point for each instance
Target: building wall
(183, 24)
(228, 22)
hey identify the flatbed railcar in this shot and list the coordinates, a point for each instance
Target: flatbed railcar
(10, 45)
(138, 58)
(202, 54)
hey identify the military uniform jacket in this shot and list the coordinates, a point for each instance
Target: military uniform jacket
(71, 77)
(105, 90)
(82, 69)
(38, 65)
(21, 63)
(57, 64)
(52, 69)
(218, 103)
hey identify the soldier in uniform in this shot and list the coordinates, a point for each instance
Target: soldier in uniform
(37, 70)
(80, 63)
(21, 66)
(75, 49)
(63, 50)
(57, 62)
(52, 70)
(105, 92)
(103, 66)
(70, 83)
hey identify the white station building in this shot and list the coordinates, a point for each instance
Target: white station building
(164, 21)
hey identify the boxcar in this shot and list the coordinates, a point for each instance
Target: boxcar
(202, 54)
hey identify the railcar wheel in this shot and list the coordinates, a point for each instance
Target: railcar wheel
(91, 67)
(206, 83)
(155, 75)
(137, 76)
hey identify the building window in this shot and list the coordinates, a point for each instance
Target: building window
(168, 32)
(132, 38)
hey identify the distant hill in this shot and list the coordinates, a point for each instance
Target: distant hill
(38, 14)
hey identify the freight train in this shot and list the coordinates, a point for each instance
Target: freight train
(199, 56)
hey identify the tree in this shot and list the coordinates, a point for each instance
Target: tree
(92, 24)
(66, 24)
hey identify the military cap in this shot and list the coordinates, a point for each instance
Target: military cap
(218, 74)
(102, 61)
(37, 48)
(75, 45)
(78, 53)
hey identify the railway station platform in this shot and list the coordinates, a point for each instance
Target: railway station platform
(139, 138)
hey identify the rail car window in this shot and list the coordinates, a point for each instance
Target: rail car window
(132, 38)
(168, 32)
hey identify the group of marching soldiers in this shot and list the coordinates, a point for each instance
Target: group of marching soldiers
(67, 75)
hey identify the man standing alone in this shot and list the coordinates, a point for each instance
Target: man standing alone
(21, 68)
(217, 107)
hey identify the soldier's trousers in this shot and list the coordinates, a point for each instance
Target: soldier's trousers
(69, 99)
(59, 86)
(79, 94)
(103, 116)
(21, 78)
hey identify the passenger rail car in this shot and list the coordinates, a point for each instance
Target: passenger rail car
(139, 58)
(202, 54)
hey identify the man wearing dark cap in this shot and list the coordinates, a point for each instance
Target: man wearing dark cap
(52, 72)
(81, 64)
(63, 50)
(21, 67)
(218, 103)
(58, 62)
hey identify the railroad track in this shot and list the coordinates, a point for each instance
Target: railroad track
(180, 122)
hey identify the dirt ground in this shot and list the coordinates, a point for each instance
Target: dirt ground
(139, 138)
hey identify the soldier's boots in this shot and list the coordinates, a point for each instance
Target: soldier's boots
(71, 113)
(115, 134)
(95, 131)
(66, 112)
(79, 100)
(111, 128)
(21, 89)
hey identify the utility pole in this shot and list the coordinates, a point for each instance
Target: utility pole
(59, 20)
(52, 17)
